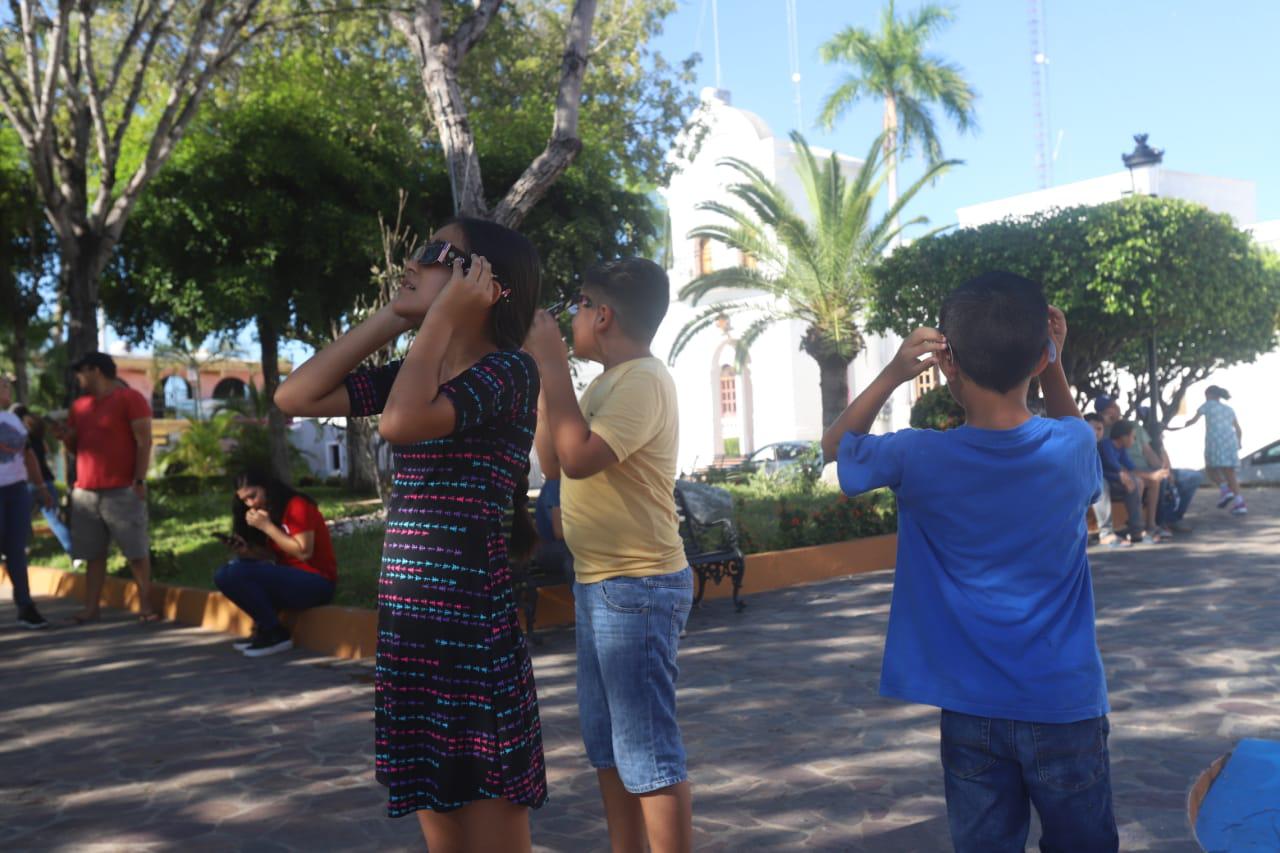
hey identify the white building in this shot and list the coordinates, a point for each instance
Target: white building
(775, 396)
(1250, 384)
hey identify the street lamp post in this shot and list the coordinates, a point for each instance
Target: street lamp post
(1144, 155)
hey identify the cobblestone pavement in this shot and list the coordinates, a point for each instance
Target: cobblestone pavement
(121, 737)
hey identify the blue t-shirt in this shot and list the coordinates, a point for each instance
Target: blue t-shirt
(1114, 460)
(992, 610)
(548, 499)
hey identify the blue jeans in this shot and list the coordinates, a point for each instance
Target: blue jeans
(50, 513)
(995, 769)
(15, 532)
(628, 632)
(262, 589)
(1186, 482)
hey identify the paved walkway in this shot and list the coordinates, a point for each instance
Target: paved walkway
(116, 736)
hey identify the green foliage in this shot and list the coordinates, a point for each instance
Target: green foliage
(1119, 271)
(893, 65)
(222, 445)
(202, 450)
(936, 409)
(273, 195)
(837, 520)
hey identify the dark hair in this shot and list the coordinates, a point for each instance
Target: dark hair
(516, 266)
(637, 290)
(36, 432)
(279, 493)
(1217, 392)
(1121, 429)
(997, 325)
(100, 360)
(1094, 418)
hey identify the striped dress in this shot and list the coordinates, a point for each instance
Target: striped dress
(455, 710)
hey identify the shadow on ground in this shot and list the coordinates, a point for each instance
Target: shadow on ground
(118, 736)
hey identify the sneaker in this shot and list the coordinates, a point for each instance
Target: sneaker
(269, 643)
(1165, 533)
(245, 642)
(1240, 509)
(1120, 542)
(30, 618)
(1226, 498)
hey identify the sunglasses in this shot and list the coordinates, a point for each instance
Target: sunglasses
(442, 252)
(570, 305)
(446, 254)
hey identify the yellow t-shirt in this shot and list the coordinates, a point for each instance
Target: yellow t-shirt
(622, 522)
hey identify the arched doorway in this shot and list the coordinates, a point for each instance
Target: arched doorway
(230, 388)
(171, 397)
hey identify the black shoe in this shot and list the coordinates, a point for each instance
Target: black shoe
(245, 642)
(269, 642)
(30, 618)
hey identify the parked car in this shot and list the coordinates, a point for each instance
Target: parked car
(773, 458)
(1262, 466)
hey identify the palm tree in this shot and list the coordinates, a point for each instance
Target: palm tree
(892, 65)
(817, 272)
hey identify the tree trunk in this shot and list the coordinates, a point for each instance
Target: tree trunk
(439, 57)
(82, 264)
(891, 154)
(269, 337)
(21, 382)
(362, 467)
(833, 380)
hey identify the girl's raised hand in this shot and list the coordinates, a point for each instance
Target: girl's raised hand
(467, 292)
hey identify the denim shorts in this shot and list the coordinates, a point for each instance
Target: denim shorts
(628, 632)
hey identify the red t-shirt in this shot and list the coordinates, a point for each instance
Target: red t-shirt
(106, 452)
(301, 514)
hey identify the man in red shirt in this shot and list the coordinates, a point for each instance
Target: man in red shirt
(109, 431)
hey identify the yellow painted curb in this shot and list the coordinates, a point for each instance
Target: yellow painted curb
(351, 632)
(344, 632)
(766, 571)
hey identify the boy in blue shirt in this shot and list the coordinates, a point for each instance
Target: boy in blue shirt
(992, 617)
(1117, 470)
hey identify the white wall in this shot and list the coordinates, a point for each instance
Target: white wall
(1223, 195)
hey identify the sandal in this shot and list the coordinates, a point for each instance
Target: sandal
(150, 616)
(86, 618)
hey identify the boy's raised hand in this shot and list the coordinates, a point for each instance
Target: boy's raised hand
(1057, 328)
(910, 361)
(544, 342)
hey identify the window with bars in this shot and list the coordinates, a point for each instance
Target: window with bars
(926, 382)
(702, 256)
(728, 391)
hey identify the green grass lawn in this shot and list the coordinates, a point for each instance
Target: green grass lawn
(182, 530)
(188, 555)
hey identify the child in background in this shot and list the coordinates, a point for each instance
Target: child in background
(1117, 469)
(1222, 439)
(1102, 506)
(992, 617)
(634, 589)
(458, 738)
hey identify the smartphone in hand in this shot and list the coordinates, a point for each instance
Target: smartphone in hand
(231, 540)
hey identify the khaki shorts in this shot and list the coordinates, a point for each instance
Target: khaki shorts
(100, 516)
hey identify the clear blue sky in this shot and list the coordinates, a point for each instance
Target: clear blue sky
(1203, 79)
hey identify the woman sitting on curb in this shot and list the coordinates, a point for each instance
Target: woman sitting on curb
(284, 559)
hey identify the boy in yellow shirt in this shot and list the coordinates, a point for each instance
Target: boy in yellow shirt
(634, 590)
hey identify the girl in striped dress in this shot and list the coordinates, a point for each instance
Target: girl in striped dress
(458, 740)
